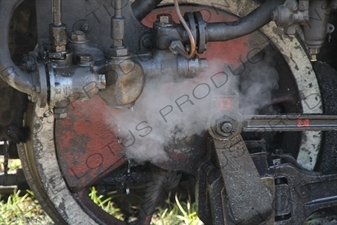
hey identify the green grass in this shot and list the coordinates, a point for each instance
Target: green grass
(106, 204)
(176, 213)
(24, 209)
(20, 209)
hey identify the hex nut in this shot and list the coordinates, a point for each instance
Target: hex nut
(220, 131)
(59, 39)
(118, 52)
(78, 36)
(227, 127)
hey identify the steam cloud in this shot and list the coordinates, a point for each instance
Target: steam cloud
(167, 112)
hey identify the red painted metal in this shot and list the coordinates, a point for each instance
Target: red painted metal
(87, 146)
(303, 122)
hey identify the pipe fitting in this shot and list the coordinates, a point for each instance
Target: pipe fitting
(69, 83)
(124, 82)
(315, 30)
(9, 72)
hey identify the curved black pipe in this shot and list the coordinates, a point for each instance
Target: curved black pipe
(9, 72)
(141, 8)
(223, 31)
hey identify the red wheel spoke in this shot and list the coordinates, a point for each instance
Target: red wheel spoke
(87, 147)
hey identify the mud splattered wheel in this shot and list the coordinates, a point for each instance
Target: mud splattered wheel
(65, 157)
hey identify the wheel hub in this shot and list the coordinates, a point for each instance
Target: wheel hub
(94, 140)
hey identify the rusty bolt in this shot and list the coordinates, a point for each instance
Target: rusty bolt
(164, 18)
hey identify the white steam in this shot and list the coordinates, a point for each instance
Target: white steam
(169, 112)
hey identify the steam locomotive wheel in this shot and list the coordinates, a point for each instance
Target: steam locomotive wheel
(65, 157)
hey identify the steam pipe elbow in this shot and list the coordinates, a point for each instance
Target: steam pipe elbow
(224, 31)
(9, 72)
(141, 8)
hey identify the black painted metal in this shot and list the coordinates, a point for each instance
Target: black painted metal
(246, 25)
(9, 72)
(292, 122)
(300, 193)
(141, 8)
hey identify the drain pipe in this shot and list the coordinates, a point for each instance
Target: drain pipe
(9, 72)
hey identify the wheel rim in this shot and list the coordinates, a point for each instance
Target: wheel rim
(44, 139)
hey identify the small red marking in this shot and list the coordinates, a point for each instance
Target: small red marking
(225, 104)
(303, 122)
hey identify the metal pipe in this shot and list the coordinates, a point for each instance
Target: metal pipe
(223, 31)
(191, 38)
(315, 30)
(118, 8)
(57, 12)
(117, 25)
(141, 8)
(9, 72)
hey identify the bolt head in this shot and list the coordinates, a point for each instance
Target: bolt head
(147, 43)
(164, 18)
(84, 58)
(85, 27)
(226, 127)
(78, 36)
(118, 51)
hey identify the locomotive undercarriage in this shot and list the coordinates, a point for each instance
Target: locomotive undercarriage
(240, 118)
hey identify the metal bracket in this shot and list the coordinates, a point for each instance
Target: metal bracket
(300, 193)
